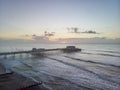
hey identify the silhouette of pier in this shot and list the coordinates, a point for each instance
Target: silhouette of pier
(25, 52)
(40, 50)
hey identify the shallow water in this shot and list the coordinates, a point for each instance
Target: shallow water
(97, 67)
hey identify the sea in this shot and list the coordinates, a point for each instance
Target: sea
(96, 67)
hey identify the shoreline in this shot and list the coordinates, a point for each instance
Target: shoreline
(14, 81)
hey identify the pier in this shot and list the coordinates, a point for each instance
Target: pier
(40, 50)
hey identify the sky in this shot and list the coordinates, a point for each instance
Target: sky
(22, 18)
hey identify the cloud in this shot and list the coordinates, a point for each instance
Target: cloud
(49, 34)
(34, 35)
(26, 35)
(42, 39)
(98, 40)
(76, 30)
(90, 32)
(38, 38)
(73, 30)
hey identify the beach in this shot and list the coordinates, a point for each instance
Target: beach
(91, 69)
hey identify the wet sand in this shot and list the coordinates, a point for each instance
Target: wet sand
(12, 81)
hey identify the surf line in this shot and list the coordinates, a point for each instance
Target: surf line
(88, 61)
(99, 76)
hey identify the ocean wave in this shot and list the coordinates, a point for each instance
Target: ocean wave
(117, 52)
(89, 61)
(65, 80)
(108, 55)
(102, 54)
(84, 69)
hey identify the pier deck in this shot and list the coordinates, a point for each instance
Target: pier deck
(34, 50)
(30, 51)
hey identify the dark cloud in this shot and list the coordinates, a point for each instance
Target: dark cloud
(76, 30)
(34, 35)
(73, 30)
(49, 34)
(90, 32)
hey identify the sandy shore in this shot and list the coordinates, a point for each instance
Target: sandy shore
(12, 81)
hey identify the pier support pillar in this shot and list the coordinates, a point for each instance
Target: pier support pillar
(27, 54)
(21, 55)
(13, 56)
(5, 56)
